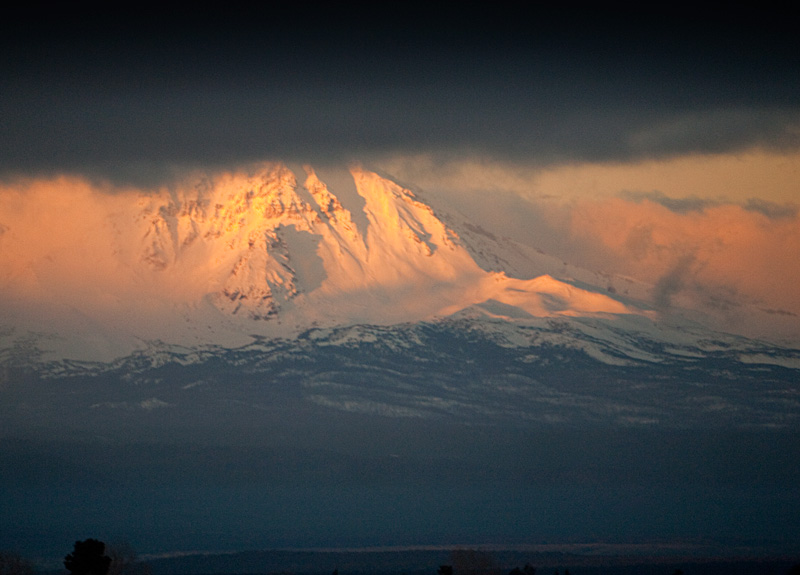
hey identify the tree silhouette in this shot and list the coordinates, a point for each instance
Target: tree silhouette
(88, 558)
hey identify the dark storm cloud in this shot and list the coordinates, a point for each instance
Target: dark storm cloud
(142, 92)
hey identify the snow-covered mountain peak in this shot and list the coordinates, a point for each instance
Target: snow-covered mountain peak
(276, 250)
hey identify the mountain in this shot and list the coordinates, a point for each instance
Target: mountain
(343, 356)
(270, 270)
(272, 253)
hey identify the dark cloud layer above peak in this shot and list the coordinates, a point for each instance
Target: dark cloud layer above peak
(141, 91)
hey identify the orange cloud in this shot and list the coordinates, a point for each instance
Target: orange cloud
(736, 177)
(721, 254)
(731, 177)
(65, 251)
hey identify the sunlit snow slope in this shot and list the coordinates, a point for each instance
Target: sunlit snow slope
(221, 258)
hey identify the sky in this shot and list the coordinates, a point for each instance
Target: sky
(655, 143)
